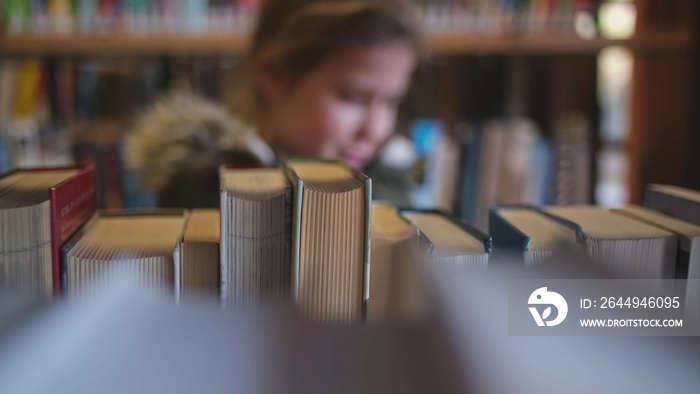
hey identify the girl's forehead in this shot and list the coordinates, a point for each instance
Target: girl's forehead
(388, 61)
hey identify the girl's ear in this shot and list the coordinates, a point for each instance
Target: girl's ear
(272, 80)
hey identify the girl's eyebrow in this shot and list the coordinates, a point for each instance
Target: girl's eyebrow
(364, 87)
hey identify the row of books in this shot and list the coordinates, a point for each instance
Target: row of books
(202, 16)
(659, 241)
(499, 17)
(128, 16)
(307, 232)
(299, 233)
(30, 99)
(501, 161)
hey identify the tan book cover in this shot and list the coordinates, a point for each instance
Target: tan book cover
(330, 239)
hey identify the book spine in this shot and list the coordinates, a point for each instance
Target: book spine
(368, 246)
(86, 14)
(578, 230)
(297, 203)
(73, 202)
(471, 178)
(16, 16)
(289, 226)
(473, 231)
(508, 241)
(65, 249)
(177, 269)
(223, 243)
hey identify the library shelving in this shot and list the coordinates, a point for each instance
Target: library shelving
(561, 67)
(439, 43)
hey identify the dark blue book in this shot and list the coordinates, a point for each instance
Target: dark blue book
(469, 176)
(526, 234)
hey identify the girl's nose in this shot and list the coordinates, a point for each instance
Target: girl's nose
(377, 124)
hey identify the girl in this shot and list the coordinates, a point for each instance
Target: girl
(324, 79)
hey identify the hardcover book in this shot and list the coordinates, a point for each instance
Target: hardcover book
(200, 254)
(530, 235)
(454, 242)
(330, 239)
(687, 263)
(144, 244)
(394, 290)
(255, 235)
(630, 248)
(40, 209)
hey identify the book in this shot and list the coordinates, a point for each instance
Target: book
(436, 172)
(86, 15)
(516, 178)
(145, 244)
(631, 249)
(674, 201)
(330, 239)
(503, 162)
(200, 254)
(394, 252)
(255, 235)
(529, 235)
(40, 210)
(467, 137)
(489, 172)
(571, 161)
(454, 242)
(687, 264)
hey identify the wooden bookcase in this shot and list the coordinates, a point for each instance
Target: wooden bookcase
(661, 146)
(660, 137)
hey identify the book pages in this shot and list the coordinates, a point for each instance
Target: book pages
(394, 250)
(631, 248)
(25, 230)
(200, 254)
(333, 241)
(546, 235)
(452, 244)
(143, 246)
(255, 236)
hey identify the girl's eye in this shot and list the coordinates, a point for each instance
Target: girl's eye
(353, 97)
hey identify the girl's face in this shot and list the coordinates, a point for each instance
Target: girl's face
(345, 107)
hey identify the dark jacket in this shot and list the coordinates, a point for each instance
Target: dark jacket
(179, 143)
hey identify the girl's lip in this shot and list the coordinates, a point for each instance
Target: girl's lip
(356, 160)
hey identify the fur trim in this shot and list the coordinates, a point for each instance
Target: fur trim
(186, 133)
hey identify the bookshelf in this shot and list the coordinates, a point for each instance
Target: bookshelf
(660, 143)
(232, 44)
(661, 138)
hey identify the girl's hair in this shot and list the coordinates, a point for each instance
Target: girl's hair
(294, 36)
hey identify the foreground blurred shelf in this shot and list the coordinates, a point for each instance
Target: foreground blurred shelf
(443, 43)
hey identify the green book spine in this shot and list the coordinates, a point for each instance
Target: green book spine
(16, 15)
(297, 200)
(368, 245)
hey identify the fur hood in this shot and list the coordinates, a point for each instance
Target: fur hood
(185, 133)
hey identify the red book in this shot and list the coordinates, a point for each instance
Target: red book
(71, 203)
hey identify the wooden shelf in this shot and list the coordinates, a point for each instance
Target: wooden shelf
(123, 45)
(451, 43)
(565, 45)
